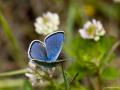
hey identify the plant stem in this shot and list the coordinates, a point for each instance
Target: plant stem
(99, 82)
(65, 79)
(12, 73)
(90, 83)
(74, 78)
(114, 47)
(15, 47)
(70, 21)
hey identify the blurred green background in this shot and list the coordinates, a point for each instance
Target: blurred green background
(17, 30)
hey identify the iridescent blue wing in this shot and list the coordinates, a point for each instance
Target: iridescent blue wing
(37, 50)
(53, 44)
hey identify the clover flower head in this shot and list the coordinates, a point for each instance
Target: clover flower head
(37, 74)
(34, 73)
(92, 30)
(47, 23)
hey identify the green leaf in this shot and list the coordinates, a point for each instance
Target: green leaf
(76, 68)
(88, 50)
(89, 54)
(27, 85)
(110, 73)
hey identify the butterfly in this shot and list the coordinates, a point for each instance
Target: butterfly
(46, 53)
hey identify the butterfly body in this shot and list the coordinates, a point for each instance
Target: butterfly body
(47, 64)
(46, 53)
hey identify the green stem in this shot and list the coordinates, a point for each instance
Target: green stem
(70, 22)
(74, 78)
(89, 82)
(15, 46)
(107, 58)
(65, 79)
(112, 50)
(99, 82)
(12, 73)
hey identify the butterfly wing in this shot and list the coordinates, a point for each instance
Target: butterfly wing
(53, 44)
(48, 64)
(37, 50)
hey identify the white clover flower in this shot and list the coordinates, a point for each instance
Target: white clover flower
(47, 23)
(92, 30)
(37, 74)
(34, 74)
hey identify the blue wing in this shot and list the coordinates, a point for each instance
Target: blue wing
(53, 44)
(37, 50)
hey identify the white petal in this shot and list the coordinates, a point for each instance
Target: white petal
(87, 25)
(42, 73)
(39, 19)
(33, 81)
(41, 81)
(32, 65)
(30, 70)
(83, 34)
(102, 32)
(53, 69)
(99, 25)
(96, 38)
(94, 21)
(29, 75)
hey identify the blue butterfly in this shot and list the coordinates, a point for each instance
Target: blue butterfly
(46, 53)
